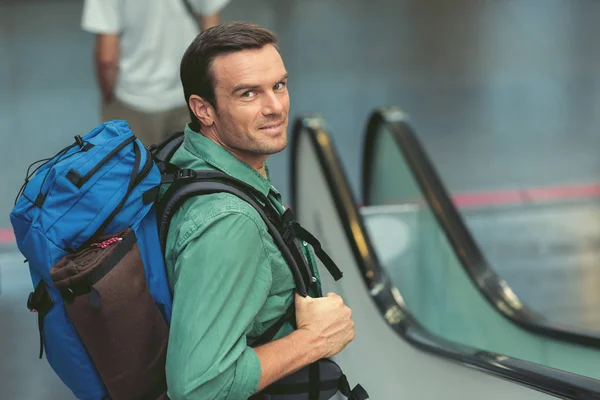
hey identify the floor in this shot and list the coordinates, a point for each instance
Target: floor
(503, 94)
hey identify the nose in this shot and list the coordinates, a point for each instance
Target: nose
(273, 104)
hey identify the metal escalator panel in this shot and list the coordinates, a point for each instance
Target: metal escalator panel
(444, 278)
(392, 356)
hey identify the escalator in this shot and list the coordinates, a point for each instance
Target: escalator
(412, 339)
(452, 289)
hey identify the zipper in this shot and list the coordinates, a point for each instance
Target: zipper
(107, 157)
(145, 170)
(134, 181)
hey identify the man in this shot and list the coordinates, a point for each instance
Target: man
(230, 283)
(139, 45)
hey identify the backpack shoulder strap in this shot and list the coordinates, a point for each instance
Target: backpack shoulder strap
(289, 227)
(163, 151)
(191, 183)
(284, 229)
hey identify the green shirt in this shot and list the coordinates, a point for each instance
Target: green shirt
(230, 282)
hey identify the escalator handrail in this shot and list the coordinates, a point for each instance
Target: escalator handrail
(389, 300)
(470, 255)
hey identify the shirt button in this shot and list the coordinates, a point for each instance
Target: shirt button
(314, 279)
(304, 243)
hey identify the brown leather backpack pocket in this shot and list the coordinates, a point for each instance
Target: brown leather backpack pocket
(123, 330)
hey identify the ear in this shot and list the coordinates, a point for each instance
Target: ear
(202, 110)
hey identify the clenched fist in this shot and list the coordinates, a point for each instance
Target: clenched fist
(328, 320)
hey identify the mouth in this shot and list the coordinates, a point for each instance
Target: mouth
(272, 127)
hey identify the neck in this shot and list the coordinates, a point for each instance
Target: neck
(256, 162)
(263, 170)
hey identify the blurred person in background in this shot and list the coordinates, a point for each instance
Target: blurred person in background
(139, 45)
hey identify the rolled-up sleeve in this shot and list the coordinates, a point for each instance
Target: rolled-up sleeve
(101, 16)
(221, 279)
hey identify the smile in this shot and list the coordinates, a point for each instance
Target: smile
(272, 127)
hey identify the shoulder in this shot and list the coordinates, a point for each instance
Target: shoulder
(221, 214)
(102, 16)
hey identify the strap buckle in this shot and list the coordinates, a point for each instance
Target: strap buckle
(289, 225)
(185, 174)
(290, 232)
(40, 301)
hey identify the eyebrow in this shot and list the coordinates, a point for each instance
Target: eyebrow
(244, 86)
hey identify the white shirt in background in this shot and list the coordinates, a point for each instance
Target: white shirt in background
(154, 36)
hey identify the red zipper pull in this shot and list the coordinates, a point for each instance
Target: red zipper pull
(107, 242)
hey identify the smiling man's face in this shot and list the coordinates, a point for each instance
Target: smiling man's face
(252, 103)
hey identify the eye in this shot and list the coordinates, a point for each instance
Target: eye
(249, 94)
(280, 85)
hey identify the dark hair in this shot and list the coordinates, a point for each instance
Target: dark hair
(195, 70)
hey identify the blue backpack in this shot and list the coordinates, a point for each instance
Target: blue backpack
(93, 232)
(104, 182)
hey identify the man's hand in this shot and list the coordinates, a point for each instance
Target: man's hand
(328, 320)
(325, 327)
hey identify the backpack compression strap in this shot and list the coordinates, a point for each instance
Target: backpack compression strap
(292, 229)
(319, 380)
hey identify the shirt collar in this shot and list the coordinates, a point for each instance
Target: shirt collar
(223, 160)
